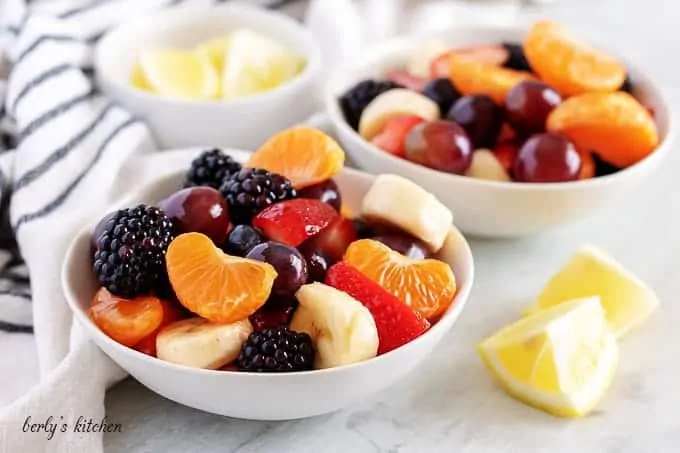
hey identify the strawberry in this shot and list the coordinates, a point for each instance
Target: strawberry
(396, 322)
(293, 221)
(507, 134)
(407, 80)
(506, 154)
(393, 136)
(335, 238)
(171, 313)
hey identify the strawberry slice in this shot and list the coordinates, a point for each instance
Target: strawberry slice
(335, 238)
(407, 80)
(506, 154)
(293, 221)
(396, 322)
(171, 313)
(392, 139)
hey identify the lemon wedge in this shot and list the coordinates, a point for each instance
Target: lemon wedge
(626, 300)
(254, 64)
(179, 73)
(216, 50)
(561, 359)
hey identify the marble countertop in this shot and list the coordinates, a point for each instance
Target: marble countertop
(451, 403)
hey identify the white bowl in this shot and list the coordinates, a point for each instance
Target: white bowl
(489, 208)
(243, 122)
(254, 395)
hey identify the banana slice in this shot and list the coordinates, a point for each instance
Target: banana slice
(199, 343)
(402, 203)
(342, 328)
(420, 61)
(399, 101)
(485, 165)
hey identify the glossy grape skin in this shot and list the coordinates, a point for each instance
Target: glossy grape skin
(199, 209)
(242, 239)
(289, 264)
(528, 104)
(441, 145)
(326, 191)
(481, 118)
(405, 244)
(363, 229)
(317, 262)
(547, 158)
(442, 92)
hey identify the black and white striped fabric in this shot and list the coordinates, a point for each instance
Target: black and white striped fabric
(63, 148)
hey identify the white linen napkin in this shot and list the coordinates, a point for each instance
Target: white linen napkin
(73, 146)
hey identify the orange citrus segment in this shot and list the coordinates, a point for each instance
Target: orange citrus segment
(216, 286)
(613, 125)
(476, 77)
(127, 321)
(570, 66)
(302, 154)
(428, 286)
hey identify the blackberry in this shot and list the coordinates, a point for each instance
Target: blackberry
(276, 350)
(130, 255)
(211, 168)
(251, 190)
(517, 59)
(443, 93)
(355, 100)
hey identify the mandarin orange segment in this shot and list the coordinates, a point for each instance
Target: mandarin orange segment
(302, 154)
(126, 321)
(476, 77)
(568, 65)
(614, 125)
(426, 285)
(214, 285)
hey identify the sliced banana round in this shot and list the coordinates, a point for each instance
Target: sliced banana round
(342, 329)
(421, 59)
(199, 343)
(485, 165)
(399, 101)
(402, 203)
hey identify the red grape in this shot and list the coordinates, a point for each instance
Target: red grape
(481, 118)
(528, 104)
(200, 210)
(326, 191)
(548, 158)
(289, 264)
(404, 244)
(442, 145)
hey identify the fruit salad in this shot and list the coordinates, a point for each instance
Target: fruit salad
(549, 109)
(260, 267)
(241, 63)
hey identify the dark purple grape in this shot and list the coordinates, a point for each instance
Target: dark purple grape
(442, 145)
(317, 262)
(199, 210)
(326, 191)
(481, 118)
(443, 93)
(547, 158)
(242, 239)
(99, 229)
(627, 85)
(528, 104)
(405, 244)
(289, 264)
(364, 230)
(603, 168)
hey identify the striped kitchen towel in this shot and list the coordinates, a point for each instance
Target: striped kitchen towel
(63, 148)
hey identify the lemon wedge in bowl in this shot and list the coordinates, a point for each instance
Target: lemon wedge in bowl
(253, 64)
(626, 300)
(179, 74)
(561, 359)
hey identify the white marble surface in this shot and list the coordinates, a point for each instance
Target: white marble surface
(451, 404)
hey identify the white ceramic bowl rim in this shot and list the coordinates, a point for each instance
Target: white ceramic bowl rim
(378, 52)
(460, 299)
(310, 51)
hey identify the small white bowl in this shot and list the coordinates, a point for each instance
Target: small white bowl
(263, 396)
(241, 123)
(489, 208)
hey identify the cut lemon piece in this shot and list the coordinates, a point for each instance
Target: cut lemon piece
(138, 80)
(179, 73)
(216, 51)
(561, 360)
(591, 272)
(254, 64)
